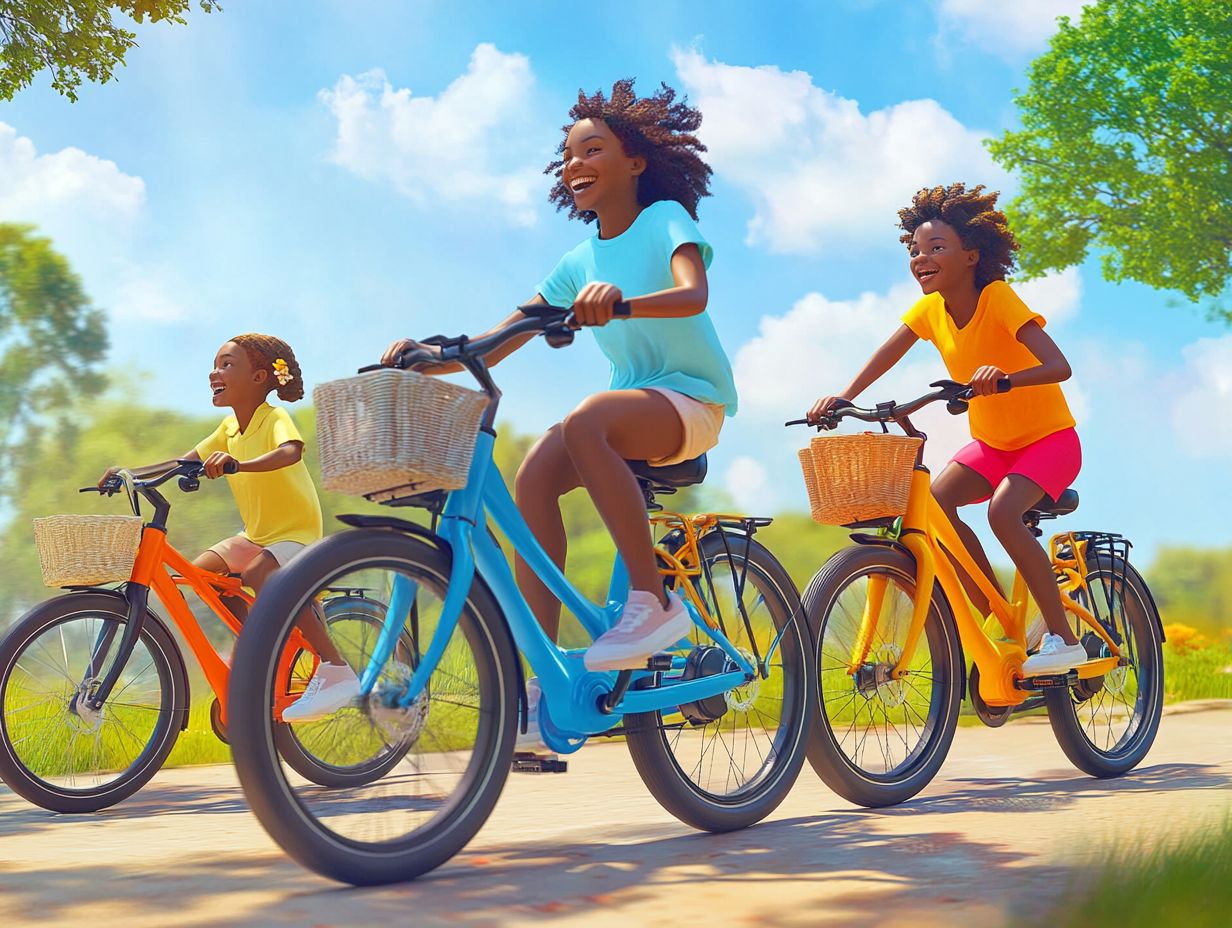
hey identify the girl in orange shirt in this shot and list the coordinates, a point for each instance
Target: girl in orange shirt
(1024, 446)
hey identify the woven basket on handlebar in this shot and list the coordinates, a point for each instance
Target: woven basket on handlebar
(852, 478)
(86, 550)
(395, 429)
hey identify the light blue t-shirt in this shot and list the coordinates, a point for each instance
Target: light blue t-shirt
(681, 354)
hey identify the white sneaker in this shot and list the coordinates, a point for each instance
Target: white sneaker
(1054, 656)
(331, 688)
(645, 627)
(531, 741)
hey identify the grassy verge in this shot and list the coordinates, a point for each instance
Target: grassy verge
(1188, 885)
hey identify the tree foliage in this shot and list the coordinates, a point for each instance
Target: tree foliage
(1125, 146)
(74, 39)
(51, 339)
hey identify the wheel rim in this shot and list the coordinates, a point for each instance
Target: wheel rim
(60, 742)
(734, 757)
(883, 728)
(1111, 714)
(456, 721)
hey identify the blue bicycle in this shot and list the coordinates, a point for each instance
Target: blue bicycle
(716, 726)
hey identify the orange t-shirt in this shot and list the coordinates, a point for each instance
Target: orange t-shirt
(1006, 421)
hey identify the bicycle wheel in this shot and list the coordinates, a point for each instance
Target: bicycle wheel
(460, 730)
(59, 754)
(1107, 725)
(878, 740)
(346, 749)
(727, 761)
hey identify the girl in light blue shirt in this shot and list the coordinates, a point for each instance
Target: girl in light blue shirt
(633, 167)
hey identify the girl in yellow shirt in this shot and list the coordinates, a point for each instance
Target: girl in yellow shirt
(274, 493)
(1024, 446)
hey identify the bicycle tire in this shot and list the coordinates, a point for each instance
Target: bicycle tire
(283, 812)
(1146, 650)
(169, 717)
(826, 752)
(653, 749)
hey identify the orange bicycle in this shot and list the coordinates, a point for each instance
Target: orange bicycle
(894, 630)
(94, 690)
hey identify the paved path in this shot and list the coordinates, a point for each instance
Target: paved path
(1005, 825)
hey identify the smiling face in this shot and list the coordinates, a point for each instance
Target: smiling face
(938, 260)
(234, 381)
(596, 169)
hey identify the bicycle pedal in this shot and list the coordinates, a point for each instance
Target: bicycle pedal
(527, 762)
(659, 662)
(1047, 681)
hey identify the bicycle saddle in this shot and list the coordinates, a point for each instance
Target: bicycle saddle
(1066, 503)
(684, 474)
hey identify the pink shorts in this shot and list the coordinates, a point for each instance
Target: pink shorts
(1051, 463)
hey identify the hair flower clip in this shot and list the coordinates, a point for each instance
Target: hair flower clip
(282, 373)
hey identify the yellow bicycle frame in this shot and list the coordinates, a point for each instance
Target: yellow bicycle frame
(929, 535)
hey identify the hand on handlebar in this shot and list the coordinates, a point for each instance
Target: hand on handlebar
(596, 303)
(110, 481)
(823, 407)
(987, 380)
(396, 354)
(220, 463)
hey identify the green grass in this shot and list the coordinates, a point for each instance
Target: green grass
(1197, 673)
(1188, 885)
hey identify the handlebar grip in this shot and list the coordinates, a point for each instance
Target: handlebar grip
(1003, 385)
(370, 367)
(231, 467)
(622, 308)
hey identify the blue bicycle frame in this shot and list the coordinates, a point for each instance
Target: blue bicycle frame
(572, 706)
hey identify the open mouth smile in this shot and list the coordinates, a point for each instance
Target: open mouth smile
(927, 274)
(578, 184)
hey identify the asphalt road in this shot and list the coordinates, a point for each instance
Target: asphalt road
(1005, 827)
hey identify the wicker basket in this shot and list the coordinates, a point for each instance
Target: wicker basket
(852, 478)
(396, 429)
(86, 550)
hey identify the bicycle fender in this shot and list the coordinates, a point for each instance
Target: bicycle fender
(150, 616)
(356, 520)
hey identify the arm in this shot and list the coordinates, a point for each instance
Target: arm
(1053, 368)
(882, 360)
(595, 301)
(391, 353)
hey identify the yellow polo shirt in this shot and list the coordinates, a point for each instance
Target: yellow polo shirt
(1005, 421)
(277, 505)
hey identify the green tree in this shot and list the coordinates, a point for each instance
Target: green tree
(74, 39)
(51, 339)
(1125, 146)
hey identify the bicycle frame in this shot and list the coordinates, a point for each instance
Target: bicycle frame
(930, 536)
(573, 693)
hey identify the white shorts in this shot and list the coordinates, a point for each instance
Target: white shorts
(238, 551)
(701, 422)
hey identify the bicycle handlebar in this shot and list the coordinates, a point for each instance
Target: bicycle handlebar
(556, 323)
(190, 470)
(956, 396)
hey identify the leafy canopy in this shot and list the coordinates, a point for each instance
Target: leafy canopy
(74, 39)
(1125, 146)
(51, 339)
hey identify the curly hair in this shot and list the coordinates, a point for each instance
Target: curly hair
(263, 351)
(974, 216)
(654, 128)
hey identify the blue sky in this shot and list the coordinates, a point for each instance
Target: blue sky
(342, 174)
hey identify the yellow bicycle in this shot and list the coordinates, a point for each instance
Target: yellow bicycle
(893, 632)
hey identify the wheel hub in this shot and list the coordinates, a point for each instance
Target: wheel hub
(741, 698)
(399, 725)
(704, 661)
(91, 719)
(876, 680)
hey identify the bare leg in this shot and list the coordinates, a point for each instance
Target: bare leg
(957, 486)
(1013, 497)
(602, 434)
(545, 476)
(309, 623)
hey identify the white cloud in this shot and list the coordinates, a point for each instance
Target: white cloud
(145, 299)
(468, 145)
(821, 173)
(747, 482)
(63, 190)
(1204, 396)
(1055, 297)
(1010, 30)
